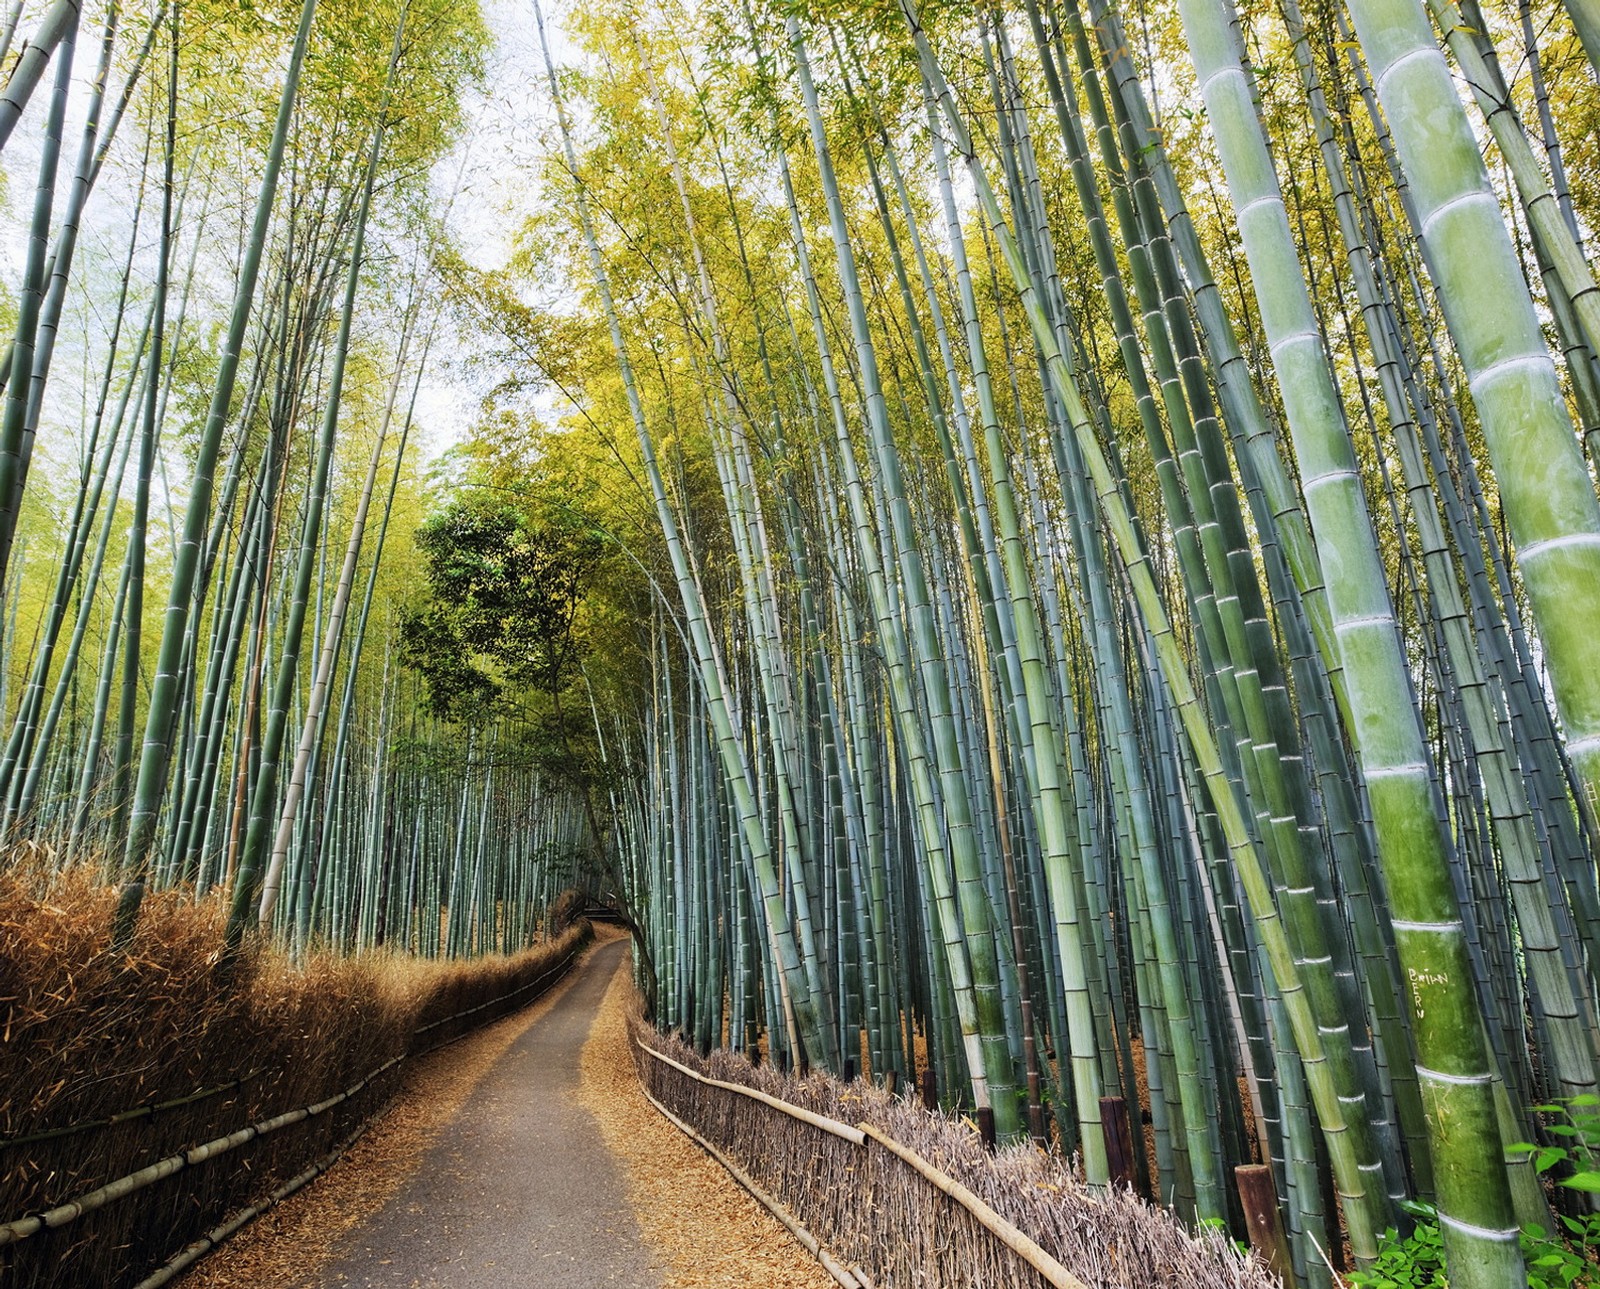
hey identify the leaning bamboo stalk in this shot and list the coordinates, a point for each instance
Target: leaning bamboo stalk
(150, 425)
(1387, 735)
(59, 25)
(1546, 494)
(8, 31)
(333, 631)
(84, 509)
(161, 715)
(1173, 666)
(1475, 56)
(911, 653)
(58, 268)
(1562, 999)
(1041, 752)
(262, 814)
(751, 544)
(709, 662)
(30, 303)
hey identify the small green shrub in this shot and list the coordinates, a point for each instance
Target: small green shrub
(1553, 1261)
(1568, 1258)
(1415, 1262)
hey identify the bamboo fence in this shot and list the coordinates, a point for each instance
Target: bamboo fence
(888, 1194)
(101, 1202)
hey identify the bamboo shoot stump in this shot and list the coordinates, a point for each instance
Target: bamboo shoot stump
(1264, 1218)
(1119, 1141)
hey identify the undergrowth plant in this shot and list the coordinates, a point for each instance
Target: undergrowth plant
(1566, 1258)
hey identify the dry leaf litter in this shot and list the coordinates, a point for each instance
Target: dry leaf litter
(703, 1224)
(288, 1246)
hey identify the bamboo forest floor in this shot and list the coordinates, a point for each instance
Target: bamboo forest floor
(524, 1155)
(710, 1232)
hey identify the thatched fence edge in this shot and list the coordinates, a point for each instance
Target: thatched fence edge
(904, 1198)
(110, 1233)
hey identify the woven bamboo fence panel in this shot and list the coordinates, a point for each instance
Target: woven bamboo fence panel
(875, 1211)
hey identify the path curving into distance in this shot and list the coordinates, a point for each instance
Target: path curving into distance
(519, 1189)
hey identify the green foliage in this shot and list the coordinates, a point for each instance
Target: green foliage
(504, 588)
(1576, 1165)
(1568, 1258)
(230, 74)
(1553, 1261)
(1415, 1262)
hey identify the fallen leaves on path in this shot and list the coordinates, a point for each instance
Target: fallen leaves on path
(288, 1247)
(703, 1224)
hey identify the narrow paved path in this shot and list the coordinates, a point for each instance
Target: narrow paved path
(519, 1190)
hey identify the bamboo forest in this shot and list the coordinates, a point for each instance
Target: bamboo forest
(1045, 552)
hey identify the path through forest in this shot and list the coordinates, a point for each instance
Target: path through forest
(519, 1188)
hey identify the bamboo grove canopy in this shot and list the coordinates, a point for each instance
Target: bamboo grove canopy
(1057, 540)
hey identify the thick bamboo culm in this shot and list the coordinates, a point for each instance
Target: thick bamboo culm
(1100, 584)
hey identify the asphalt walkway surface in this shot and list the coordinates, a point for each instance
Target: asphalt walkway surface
(519, 1190)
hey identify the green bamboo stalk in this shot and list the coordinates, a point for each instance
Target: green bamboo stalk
(1173, 669)
(156, 750)
(730, 751)
(1386, 729)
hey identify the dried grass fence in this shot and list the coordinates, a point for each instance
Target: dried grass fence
(899, 1194)
(146, 1105)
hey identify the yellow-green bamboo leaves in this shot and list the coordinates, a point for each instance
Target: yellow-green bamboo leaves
(807, 1018)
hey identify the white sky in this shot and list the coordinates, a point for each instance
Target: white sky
(495, 172)
(495, 165)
